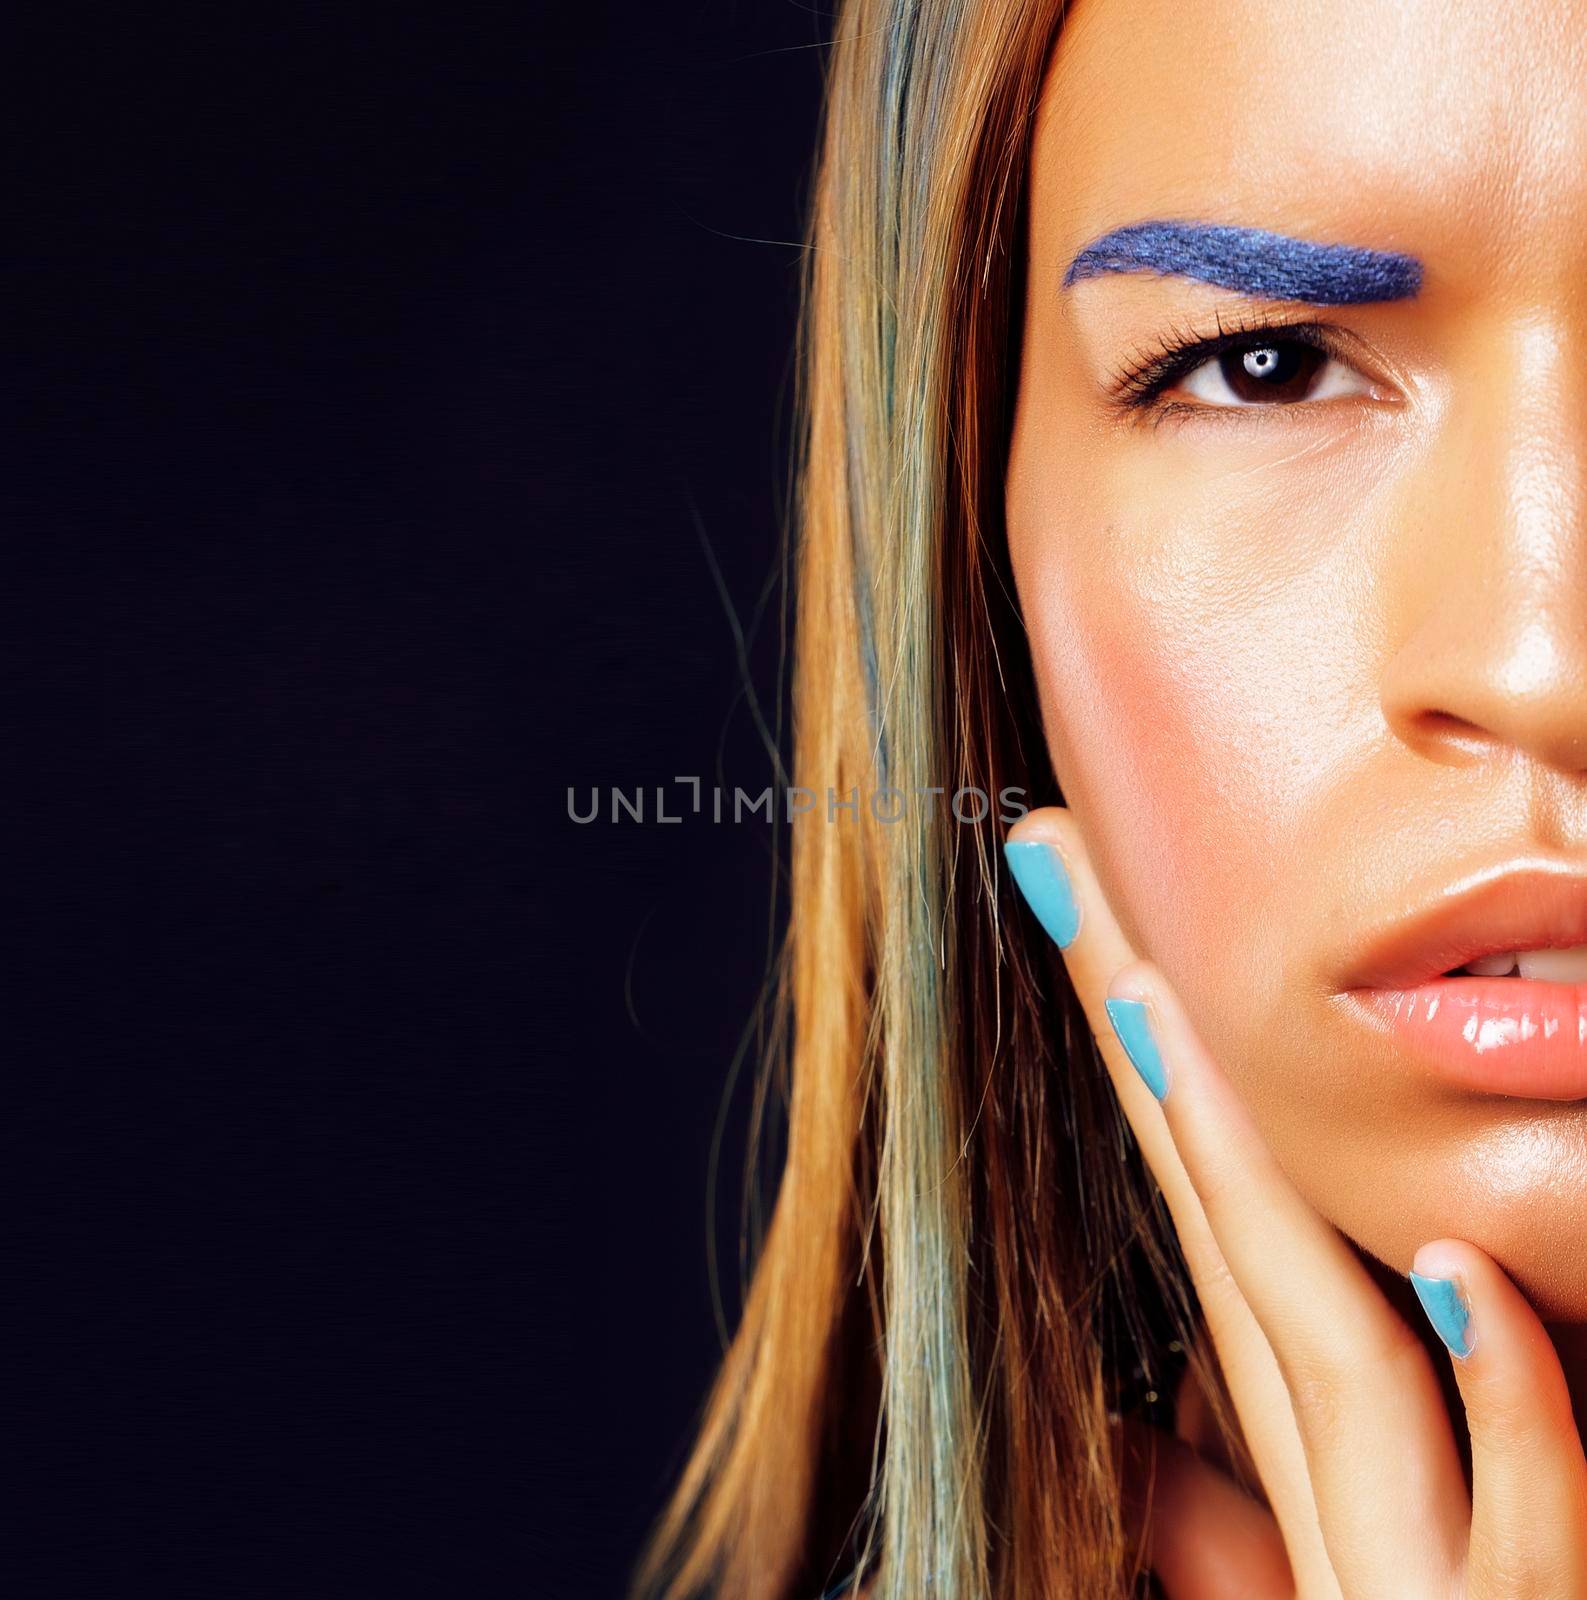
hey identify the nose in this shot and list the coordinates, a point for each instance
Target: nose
(1490, 622)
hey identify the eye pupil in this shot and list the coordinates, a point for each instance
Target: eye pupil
(1276, 369)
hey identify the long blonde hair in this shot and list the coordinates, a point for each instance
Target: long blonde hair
(963, 1243)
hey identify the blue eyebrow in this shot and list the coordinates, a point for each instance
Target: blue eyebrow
(1272, 266)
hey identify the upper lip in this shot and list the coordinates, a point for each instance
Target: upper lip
(1531, 905)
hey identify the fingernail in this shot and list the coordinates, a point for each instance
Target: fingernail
(1039, 871)
(1446, 1310)
(1135, 1034)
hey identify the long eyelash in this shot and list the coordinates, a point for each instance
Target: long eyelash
(1150, 371)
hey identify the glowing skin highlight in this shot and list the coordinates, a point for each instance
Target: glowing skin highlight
(1306, 584)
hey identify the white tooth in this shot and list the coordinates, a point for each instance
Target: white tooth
(1555, 966)
(1492, 966)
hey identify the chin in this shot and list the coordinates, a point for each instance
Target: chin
(1513, 1182)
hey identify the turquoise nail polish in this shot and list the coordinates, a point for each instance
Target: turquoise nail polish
(1040, 874)
(1446, 1310)
(1135, 1034)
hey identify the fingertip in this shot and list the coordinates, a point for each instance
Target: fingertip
(1444, 1303)
(1442, 1258)
(1439, 1277)
(1045, 824)
(1135, 981)
(1139, 1006)
(1137, 1030)
(1038, 854)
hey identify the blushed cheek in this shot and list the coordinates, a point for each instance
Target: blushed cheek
(1129, 735)
(1175, 760)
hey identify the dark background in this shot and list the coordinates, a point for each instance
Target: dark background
(382, 384)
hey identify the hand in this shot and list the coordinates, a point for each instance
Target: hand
(1336, 1395)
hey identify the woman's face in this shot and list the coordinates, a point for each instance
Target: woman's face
(1309, 616)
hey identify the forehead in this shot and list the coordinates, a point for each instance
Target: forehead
(1451, 129)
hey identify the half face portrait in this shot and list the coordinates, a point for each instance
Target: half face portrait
(1296, 509)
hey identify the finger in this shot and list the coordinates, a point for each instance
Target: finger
(1394, 1519)
(1204, 1537)
(1049, 860)
(1053, 873)
(1529, 1480)
(1053, 870)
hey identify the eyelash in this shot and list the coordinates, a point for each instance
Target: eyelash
(1139, 384)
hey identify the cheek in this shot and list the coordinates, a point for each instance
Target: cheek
(1137, 718)
(1203, 712)
(1204, 615)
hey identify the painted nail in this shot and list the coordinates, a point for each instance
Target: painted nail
(1135, 1034)
(1446, 1310)
(1039, 871)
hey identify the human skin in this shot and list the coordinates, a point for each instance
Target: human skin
(1305, 665)
(1301, 664)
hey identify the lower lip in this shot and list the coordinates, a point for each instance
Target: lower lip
(1516, 1036)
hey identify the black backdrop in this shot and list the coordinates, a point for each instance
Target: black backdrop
(381, 385)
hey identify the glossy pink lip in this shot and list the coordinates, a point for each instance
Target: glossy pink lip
(1514, 1036)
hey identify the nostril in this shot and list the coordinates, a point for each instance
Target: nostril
(1452, 736)
(1443, 736)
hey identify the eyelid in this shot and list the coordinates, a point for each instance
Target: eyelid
(1140, 383)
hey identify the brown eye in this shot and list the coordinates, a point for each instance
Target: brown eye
(1283, 370)
(1269, 371)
